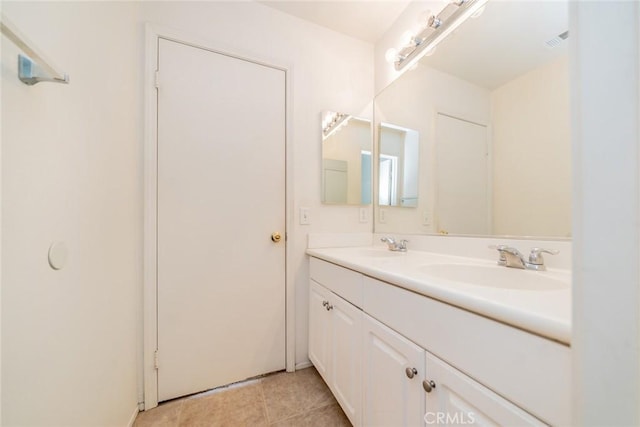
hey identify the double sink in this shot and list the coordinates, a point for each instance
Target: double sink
(536, 301)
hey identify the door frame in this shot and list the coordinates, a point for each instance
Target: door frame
(153, 33)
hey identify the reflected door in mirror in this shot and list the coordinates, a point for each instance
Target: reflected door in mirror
(398, 166)
(462, 177)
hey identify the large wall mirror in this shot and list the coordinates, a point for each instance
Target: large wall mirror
(490, 108)
(346, 159)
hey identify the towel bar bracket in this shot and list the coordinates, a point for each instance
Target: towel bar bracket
(30, 73)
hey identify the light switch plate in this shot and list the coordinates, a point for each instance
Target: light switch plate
(364, 215)
(426, 218)
(305, 216)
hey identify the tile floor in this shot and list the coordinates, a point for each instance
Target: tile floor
(283, 399)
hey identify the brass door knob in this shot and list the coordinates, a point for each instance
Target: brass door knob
(276, 237)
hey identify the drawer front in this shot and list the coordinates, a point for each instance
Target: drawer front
(531, 371)
(342, 281)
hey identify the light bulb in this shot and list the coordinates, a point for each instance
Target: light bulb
(407, 38)
(391, 55)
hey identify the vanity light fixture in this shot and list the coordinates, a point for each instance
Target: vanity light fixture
(332, 122)
(437, 28)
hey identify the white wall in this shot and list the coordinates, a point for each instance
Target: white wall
(605, 96)
(530, 119)
(71, 172)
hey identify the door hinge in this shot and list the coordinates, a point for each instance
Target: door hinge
(156, 365)
(157, 79)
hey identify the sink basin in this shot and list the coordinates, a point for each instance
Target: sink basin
(495, 276)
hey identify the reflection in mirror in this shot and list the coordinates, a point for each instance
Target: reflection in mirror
(491, 106)
(346, 159)
(398, 166)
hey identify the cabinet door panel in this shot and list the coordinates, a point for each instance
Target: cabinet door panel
(459, 400)
(391, 398)
(346, 359)
(319, 329)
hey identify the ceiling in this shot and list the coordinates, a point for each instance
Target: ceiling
(366, 20)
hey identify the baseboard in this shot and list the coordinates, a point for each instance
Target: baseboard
(303, 365)
(133, 417)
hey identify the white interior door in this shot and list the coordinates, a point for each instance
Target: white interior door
(221, 195)
(462, 177)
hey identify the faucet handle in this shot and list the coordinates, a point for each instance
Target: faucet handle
(535, 257)
(402, 244)
(500, 249)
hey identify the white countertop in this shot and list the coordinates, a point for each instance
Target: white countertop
(543, 312)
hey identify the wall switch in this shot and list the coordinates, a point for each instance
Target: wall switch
(364, 215)
(305, 218)
(382, 214)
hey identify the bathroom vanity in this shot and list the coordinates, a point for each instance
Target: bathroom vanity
(418, 338)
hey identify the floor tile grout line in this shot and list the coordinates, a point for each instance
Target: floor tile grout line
(264, 402)
(180, 408)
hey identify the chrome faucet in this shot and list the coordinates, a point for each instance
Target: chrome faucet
(511, 257)
(400, 246)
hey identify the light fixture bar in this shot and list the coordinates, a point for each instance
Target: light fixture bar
(438, 28)
(332, 122)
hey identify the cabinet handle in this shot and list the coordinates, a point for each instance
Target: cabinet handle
(325, 303)
(411, 372)
(329, 307)
(428, 385)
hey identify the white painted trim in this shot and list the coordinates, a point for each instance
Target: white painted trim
(150, 325)
(152, 34)
(133, 417)
(290, 272)
(1, 252)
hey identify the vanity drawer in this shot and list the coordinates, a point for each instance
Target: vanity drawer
(342, 281)
(530, 371)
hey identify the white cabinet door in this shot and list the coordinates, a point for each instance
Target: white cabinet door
(391, 398)
(346, 357)
(457, 399)
(319, 328)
